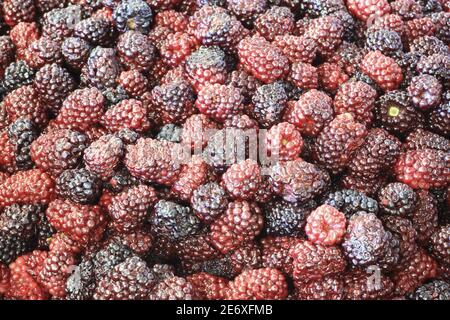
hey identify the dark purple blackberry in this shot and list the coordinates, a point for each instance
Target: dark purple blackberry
(120, 180)
(17, 74)
(439, 244)
(269, 102)
(397, 199)
(387, 41)
(423, 139)
(285, 218)
(44, 232)
(442, 22)
(170, 132)
(429, 45)
(81, 283)
(209, 201)
(11, 246)
(79, 185)
(114, 95)
(96, 31)
(348, 23)
(430, 6)
(404, 231)
(434, 290)
(58, 24)
(21, 134)
(75, 51)
(135, 50)
(437, 65)
(439, 120)
(351, 201)
(102, 69)
(425, 91)
(108, 257)
(173, 220)
(320, 8)
(133, 15)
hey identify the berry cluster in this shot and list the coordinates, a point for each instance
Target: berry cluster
(224, 149)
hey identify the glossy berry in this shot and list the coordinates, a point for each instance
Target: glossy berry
(325, 225)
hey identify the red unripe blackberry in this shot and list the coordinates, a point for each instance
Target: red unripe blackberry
(174, 288)
(153, 161)
(177, 47)
(362, 285)
(192, 175)
(284, 141)
(209, 201)
(208, 287)
(440, 246)
(15, 11)
(59, 23)
(407, 9)
(41, 52)
(158, 35)
(298, 180)
(436, 65)
(424, 169)
(338, 141)
(331, 76)
(425, 91)
(206, 65)
(425, 216)
(418, 28)
(414, 272)
(403, 229)
(135, 51)
(133, 82)
(275, 252)
(242, 180)
(275, 21)
(61, 242)
(241, 121)
(382, 69)
(397, 199)
(5, 275)
(174, 20)
(58, 150)
(327, 288)
(130, 208)
(296, 49)
(422, 139)
(311, 112)
(81, 109)
(27, 187)
(376, 156)
(245, 82)
(357, 98)
(139, 241)
(195, 130)
(56, 268)
(196, 248)
(247, 11)
(313, 261)
(101, 69)
(325, 226)
(391, 22)
(82, 223)
(258, 284)
(262, 59)
(103, 155)
(23, 34)
(24, 102)
(131, 279)
(365, 9)
(241, 222)
(174, 102)
(327, 32)
(304, 75)
(127, 114)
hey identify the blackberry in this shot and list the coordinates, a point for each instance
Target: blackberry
(325, 225)
(398, 199)
(114, 95)
(131, 279)
(12, 246)
(17, 74)
(425, 91)
(269, 102)
(102, 69)
(403, 229)
(285, 219)
(15, 11)
(170, 132)
(173, 220)
(247, 11)
(109, 256)
(196, 248)
(298, 180)
(133, 15)
(96, 31)
(387, 41)
(103, 155)
(81, 283)
(351, 201)
(78, 185)
(439, 244)
(44, 232)
(440, 20)
(327, 32)
(41, 52)
(135, 50)
(58, 24)
(434, 290)
(174, 288)
(425, 216)
(436, 65)
(209, 201)
(327, 288)
(338, 141)
(174, 101)
(275, 21)
(439, 119)
(422, 139)
(22, 133)
(360, 286)
(382, 69)
(429, 45)
(75, 52)
(53, 84)
(395, 113)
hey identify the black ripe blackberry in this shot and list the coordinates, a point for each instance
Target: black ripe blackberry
(81, 283)
(75, 51)
(44, 232)
(102, 69)
(133, 15)
(396, 114)
(173, 220)
(285, 218)
(387, 41)
(439, 119)
(120, 180)
(21, 134)
(108, 257)
(170, 132)
(114, 95)
(17, 74)
(434, 290)
(11, 246)
(209, 201)
(351, 201)
(439, 243)
(78, 185)
(397, 199)
(269, 102)
(96, 31)
(320, 8)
